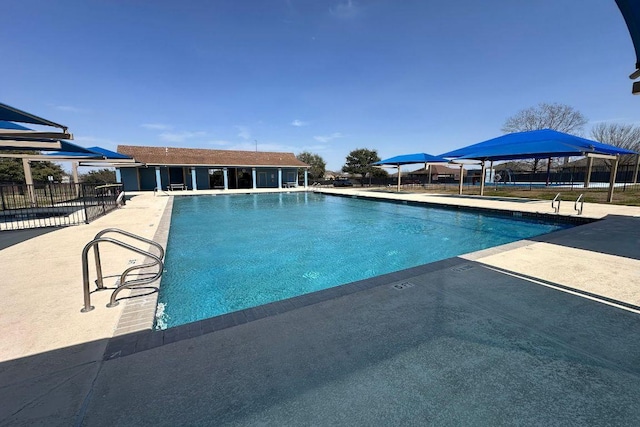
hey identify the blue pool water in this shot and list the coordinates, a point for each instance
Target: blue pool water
(227, 253)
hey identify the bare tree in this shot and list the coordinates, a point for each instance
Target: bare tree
(621, 135)
(560, 117)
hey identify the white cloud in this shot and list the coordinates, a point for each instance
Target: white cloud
(69, 108)
(155, 126)
(244, 132)
(347, 9)
(327, 138)
(299, 123)
(179, 136)
(220, 142)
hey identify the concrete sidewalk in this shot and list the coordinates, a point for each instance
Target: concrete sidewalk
(529, 330)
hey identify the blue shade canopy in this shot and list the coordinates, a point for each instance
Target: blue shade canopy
(12, 126)
(11, 114)
(109, 154)
(630, 10)
(43, 144)
(534, 145)
(407, 159)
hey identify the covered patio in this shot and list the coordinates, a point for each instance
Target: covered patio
(538, 144)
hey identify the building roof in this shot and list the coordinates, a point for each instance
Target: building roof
(205, 157)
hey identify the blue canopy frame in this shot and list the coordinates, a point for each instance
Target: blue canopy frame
(537, 144)
(408, 159)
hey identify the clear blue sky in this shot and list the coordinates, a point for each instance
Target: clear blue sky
(398, 76)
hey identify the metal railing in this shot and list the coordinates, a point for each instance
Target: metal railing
(555, 207)
(575, 205)
(53, 205)
(122, 284)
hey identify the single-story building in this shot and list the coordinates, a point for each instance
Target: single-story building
(170, 168)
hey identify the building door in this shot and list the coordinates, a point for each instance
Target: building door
(262, 179)
(176, 176)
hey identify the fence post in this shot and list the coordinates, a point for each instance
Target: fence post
(84, 203)
(4, 207)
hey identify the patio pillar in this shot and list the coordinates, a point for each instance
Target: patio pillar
(587, 177)
(306, 177)
(225, 178)
(118, 176)
(158, 178)
(612, 178)
(194, 183)
(482, 178)
(461, 178)
(253, 178)
(279, 177)
(28, 179)
(635, 171)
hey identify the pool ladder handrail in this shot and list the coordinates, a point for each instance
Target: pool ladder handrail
(575, 205)
(123, 283)
(553, 205)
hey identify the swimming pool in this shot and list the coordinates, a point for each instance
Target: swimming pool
(227, 253)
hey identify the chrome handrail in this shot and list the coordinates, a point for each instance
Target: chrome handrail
(99, 281)
(123, 283)
(556, 199)
(575, 205)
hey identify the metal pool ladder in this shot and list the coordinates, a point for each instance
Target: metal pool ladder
(575, 205)
(122, 284)
(553, 205)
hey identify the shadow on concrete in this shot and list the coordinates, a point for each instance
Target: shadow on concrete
(613, 235)
(49, 388)
(459, 344)
(13, 237)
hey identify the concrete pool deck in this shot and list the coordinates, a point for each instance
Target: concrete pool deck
(459, 341)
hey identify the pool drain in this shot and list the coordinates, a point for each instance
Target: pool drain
(403, 285)
(462, 268)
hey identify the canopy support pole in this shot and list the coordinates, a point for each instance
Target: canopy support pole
(429, 173)
(612, 179)
(461, 175)
(548, 171)
(76, 181)
(398, 178)
(482, 178)
(587, 177)
(635, 171)
(28, 179)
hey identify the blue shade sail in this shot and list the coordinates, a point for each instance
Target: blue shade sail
(11, 114)
(407, 159)
(534, 144)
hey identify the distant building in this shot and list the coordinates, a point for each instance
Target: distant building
(438, 173)
(170, 168)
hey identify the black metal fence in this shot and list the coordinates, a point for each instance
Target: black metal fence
(53, 205)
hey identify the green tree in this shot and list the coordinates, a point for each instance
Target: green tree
(11, 169)
(360, 162)
(98, 177)
(560, 117)
(316, 162)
